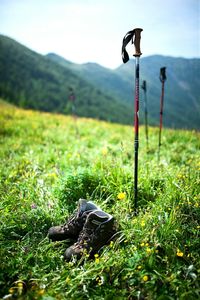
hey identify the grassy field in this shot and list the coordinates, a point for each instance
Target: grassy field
(49, 161)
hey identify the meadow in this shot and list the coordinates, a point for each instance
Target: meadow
(49, 161)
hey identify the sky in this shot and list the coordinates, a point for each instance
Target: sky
(92, 30)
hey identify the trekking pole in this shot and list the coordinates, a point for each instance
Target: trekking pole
(144, 87)
(136, 33)
(72, 99)
(162, 79)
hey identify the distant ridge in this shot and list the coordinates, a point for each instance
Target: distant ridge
(182, 97)
(31, 80)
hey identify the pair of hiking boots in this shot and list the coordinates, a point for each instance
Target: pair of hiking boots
(90, 226)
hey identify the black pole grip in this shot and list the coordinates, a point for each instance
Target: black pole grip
(144, 85)
(163, 74)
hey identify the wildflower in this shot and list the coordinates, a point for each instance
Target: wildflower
(67, 280)
(11, 290)
(111, 244)
(41, 292)
(33, 206)
(104, 151)
(49, 205)
(145, 278)
(142, 223)
(99, 280)
(142, 244)
(53, 175)
(96, 256)
(139, 267)
(148, 250)
(121, 196)
(179, 253)
(20, 287)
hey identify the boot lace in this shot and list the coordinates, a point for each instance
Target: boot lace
(85, 237)
(73, 221)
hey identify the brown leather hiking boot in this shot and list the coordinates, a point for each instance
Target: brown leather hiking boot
(98, 230)
(75, 223)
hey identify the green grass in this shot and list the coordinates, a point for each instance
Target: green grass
(49, 161)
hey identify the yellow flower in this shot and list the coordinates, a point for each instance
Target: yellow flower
(179, 253)
(139, 267)
(142, 244)
(96, 256)
(20, 284)
(104, 151)
(142, 223)
(145, 278)
(67, 280)
(41, 292)
(11, 290)
(148, 250)
(111, 244)
(121, 196)
(53, 175)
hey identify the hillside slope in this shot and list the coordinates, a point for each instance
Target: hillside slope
(31, 80)
(182, 99)
(48, 162)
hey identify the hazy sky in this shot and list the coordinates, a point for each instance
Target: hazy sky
(92, 30)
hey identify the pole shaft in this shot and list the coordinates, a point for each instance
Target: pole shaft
(146, 118)
(136, 123)
(161, 114)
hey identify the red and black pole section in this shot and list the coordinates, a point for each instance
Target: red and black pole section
(136, 34)
(144, 87)
(162, 79)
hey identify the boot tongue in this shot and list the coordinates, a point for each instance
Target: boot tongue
(85, 205)
(82, 206)
(91, 206)
(96, 218)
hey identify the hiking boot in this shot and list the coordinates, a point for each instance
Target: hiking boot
(98, 230)
(74, 225)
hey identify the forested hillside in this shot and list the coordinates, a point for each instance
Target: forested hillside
(31, 80)
(182, 98)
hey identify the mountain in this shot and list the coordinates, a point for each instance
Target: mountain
(31, 80)
(182, 98)
(109, 81)
(35, 81)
